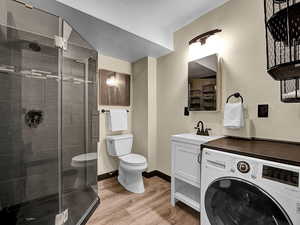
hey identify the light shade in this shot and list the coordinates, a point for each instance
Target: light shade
(112, 82)
(198, 50)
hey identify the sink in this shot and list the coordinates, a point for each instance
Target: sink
(193, 138)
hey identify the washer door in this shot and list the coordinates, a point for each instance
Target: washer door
(231, 201)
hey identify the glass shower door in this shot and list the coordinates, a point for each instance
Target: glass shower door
(49, 119)
(29, 131)
(79, 126)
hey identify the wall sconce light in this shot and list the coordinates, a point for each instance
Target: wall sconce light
(204, 45)
(112, 82)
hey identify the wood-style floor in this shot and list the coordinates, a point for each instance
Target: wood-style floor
(120, 207)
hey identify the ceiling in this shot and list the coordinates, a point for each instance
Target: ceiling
(128, 29)
(108, 39)
(154, 20)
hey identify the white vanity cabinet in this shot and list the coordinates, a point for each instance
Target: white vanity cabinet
(186, 159)
(186, 164)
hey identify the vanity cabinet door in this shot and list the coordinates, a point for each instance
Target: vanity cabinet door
(185, 162)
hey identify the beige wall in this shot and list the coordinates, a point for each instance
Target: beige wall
(144, 109)
(152, 113)
(140, 107)
(243, 69)
(142, 115)
(105, 162)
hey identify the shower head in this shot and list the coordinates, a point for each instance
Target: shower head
(34, 47)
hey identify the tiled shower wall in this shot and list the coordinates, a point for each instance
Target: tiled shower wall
(29, 156)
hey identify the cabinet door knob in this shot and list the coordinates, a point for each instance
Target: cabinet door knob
(199, 158)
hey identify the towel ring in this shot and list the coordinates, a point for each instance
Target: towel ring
(236, 95)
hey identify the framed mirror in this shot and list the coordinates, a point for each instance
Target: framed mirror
(204, 84)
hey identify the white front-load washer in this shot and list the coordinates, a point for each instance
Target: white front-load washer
(240, 190)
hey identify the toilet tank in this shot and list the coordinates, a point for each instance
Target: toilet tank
(119, 145)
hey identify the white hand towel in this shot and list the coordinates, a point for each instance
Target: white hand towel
(234, 116)
(117, 120)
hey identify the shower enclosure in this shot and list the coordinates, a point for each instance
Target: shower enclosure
(48, 119)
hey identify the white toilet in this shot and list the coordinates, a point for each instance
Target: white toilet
(131, 165)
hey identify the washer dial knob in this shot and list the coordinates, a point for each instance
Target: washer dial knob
(243, 167)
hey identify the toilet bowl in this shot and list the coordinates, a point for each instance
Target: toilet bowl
(85, 166)
(131, 165)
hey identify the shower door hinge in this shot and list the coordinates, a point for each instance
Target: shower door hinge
(62, 218)
(60, 42)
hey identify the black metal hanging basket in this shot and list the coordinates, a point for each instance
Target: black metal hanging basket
(282, 20)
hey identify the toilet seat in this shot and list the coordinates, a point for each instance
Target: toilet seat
(133, 159)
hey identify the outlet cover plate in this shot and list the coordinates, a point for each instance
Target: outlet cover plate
(263, 111)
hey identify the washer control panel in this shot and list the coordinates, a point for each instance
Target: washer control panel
(251, 168)
(281, 175)
(243, 167)
(247, 168)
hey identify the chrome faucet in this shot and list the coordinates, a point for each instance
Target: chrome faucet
(202, 131)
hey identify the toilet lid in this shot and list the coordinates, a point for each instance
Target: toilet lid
(85, 157)
(133, 159)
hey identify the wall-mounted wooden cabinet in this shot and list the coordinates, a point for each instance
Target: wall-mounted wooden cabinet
(114, 88)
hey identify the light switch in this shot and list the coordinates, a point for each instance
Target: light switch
(186, 111)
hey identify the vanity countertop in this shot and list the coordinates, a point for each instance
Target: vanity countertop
(192, 138)
(282, 152)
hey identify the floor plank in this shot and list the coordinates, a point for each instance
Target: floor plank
(120, 207)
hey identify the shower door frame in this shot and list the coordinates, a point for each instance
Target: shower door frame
(61, 48)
